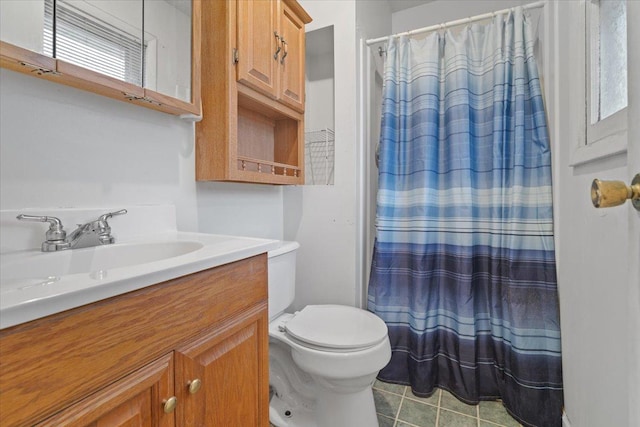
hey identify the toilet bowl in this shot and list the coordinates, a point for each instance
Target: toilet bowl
(323, 359)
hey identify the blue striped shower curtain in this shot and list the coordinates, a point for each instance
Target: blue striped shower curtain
(463, 268)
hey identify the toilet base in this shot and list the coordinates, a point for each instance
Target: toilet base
(284, 414)
(333, 410)
(347, 410)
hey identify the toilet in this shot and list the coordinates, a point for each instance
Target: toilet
(323, 359)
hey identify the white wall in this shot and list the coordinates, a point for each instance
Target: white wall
(373, 20)
(323, 218)
(440, 11)
(62, 147)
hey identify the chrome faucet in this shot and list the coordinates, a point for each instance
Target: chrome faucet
(93, 233)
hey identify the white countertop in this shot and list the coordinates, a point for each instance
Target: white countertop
(35, 284)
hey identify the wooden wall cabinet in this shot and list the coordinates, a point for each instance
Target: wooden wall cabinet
(201, 339)
(252, 92)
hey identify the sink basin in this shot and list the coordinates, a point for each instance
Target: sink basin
(34, 284)
(33, 268)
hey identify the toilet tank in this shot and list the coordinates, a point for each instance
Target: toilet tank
(282, 277)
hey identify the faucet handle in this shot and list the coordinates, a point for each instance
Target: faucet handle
(56, 230)
(55, 237)
(110, 214)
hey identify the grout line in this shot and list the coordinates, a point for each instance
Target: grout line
(400, 407)
(438, 410)
(478, 414)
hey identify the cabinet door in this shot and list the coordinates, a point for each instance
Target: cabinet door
(258, 41)
(232, 365)
(134, 401)
(291, 61)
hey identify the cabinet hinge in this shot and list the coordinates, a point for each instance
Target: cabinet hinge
(236, 57)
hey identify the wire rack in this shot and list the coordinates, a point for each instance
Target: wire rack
(319, 156)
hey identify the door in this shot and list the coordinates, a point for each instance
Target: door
(292, 59)
(259, 45)
(137, 400)
(598, 250)
(633, 167)
(232, 366)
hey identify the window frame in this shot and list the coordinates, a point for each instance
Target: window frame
(608, 136)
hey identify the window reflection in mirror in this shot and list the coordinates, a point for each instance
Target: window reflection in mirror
(102, 36)
(319, 107)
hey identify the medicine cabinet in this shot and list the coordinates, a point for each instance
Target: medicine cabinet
(142, 51)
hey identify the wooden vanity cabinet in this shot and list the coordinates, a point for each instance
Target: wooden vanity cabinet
(120, 361)
(252, 92)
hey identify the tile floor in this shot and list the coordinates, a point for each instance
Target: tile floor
(398, 407)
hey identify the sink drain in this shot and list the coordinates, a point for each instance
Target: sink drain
(287, 414)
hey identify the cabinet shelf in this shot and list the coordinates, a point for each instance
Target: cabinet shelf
(248, 163)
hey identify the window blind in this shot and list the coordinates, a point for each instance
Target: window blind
(89, 42)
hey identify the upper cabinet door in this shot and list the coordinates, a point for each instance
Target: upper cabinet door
(292, 59)
(259, 45)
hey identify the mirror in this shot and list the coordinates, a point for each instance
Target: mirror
(22, 24)
(167, 26)
(319, 107)
(146, 43)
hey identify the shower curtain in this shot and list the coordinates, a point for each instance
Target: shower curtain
(463, 270)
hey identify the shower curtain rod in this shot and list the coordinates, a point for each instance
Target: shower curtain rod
(455, 23)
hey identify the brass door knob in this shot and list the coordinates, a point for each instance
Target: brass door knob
(170, 404)
(194, 386)
(605, 194)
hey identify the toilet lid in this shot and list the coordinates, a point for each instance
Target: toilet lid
(336, 326)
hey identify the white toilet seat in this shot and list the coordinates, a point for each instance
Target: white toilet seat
(336, 328)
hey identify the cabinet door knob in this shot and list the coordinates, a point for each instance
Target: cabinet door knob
(194, 386)
(169, 405)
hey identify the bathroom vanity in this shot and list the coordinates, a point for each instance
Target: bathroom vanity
(189, 351)
(181, 341)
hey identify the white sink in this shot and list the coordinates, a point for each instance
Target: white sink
(34, 284)
(30, 268)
